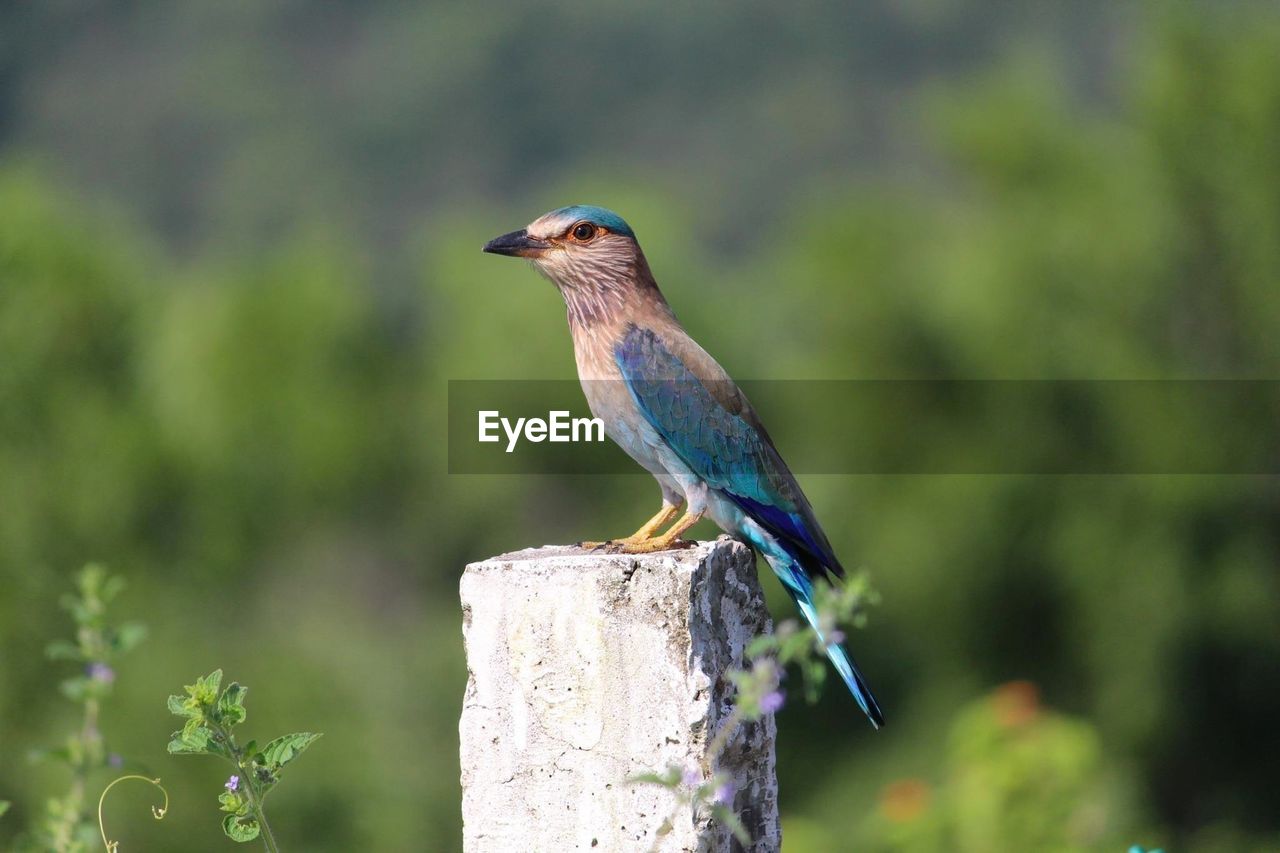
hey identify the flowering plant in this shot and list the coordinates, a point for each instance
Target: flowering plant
(211, 713)
(760, 694)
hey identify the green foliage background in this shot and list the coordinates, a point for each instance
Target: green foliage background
(239, 262)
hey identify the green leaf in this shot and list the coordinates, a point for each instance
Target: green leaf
(62, 650)
(761, 645)
(75, 688)
(194, 738)
(797, 646)
(194, 730)
(111, 587)
(178, 706)
(205, 690)
(231, 710)
(39, 756)
(815, 675)
(725, 815)
(286, 748)
(90, 579)
(670, 779)
(4, 807)
(127, 636)
(232, 802)
(213, 680)
(178, 746)
(240, 828)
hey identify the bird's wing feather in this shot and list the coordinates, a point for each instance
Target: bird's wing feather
(706, 419)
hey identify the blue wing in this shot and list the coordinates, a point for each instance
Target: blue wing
(708, 423)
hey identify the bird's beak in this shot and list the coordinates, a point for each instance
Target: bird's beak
(517, 244)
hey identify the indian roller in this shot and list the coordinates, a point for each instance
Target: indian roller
(675, 411)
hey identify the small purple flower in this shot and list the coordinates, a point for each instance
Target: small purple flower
(233, 784)
(771, 703)
(835, 637)
(115, 760)
(724, 793)
(692, 777)
(99, 671)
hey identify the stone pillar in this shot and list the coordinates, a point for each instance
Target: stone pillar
(586, 669)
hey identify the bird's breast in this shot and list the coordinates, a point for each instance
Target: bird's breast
(600, 376)
(611, 402)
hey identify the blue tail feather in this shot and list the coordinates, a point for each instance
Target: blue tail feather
(797, 583)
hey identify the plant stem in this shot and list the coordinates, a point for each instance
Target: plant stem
(89, 743)
(268, 838)
(250, 789)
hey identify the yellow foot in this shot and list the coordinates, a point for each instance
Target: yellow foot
(632, 545)
(596, 546)
(644, 534)
(662, 543)
(666, 542)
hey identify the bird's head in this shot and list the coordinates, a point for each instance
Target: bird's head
(582, 249)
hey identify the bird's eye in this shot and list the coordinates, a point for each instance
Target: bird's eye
(584, 231)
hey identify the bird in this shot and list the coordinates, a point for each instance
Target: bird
(674, 410)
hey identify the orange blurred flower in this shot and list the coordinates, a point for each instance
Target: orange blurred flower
(905, 800)
(1016, 703)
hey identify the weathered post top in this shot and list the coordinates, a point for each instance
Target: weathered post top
(586, 669)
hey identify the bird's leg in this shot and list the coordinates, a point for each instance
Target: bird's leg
(667, 541)
(645, 533)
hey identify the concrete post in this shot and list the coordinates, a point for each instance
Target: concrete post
(586, 669)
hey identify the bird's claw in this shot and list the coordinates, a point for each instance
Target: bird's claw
(631, 546)
(651, 546)
(596, 546)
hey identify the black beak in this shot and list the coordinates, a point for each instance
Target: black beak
(517, 244)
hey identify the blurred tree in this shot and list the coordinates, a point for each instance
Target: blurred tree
(1019, 777)
(255, 437)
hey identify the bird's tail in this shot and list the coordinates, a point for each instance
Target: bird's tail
(796, 580)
